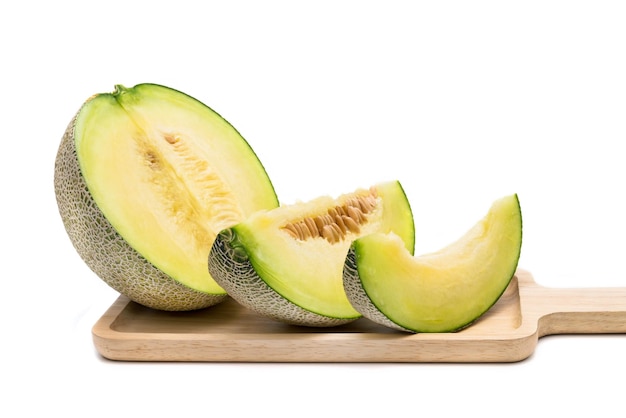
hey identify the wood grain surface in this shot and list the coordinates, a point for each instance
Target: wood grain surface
(227, 332)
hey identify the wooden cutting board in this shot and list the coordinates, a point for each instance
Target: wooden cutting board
(227, 332)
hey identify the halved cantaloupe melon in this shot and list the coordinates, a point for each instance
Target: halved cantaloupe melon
(145, 178)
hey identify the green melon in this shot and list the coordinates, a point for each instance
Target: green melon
(145, 178)
(286, 263)
(443, 291)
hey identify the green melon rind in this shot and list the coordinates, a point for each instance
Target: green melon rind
(230, 267)
(358, 296)
(105, 252)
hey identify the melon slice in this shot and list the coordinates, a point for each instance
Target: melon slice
(443, 291)
(287, 263)
(145, 178)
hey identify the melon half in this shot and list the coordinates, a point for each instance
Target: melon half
(145, 178)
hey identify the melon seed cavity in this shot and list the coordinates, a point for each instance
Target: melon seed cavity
(339, 220)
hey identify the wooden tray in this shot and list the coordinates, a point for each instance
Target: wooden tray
(227, 332)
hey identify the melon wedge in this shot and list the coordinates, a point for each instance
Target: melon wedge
(287, 263)
(443, 291)
(145, 178)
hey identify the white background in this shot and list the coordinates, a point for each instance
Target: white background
(463, 102)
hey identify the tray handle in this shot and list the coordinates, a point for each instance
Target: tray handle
(583, 311)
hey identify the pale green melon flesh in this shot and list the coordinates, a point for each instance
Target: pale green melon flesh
(306, 273)
(167, 173)
(443, 291)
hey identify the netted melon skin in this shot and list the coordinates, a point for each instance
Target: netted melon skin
(358, 296)
(231, 268)
(105, 252)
